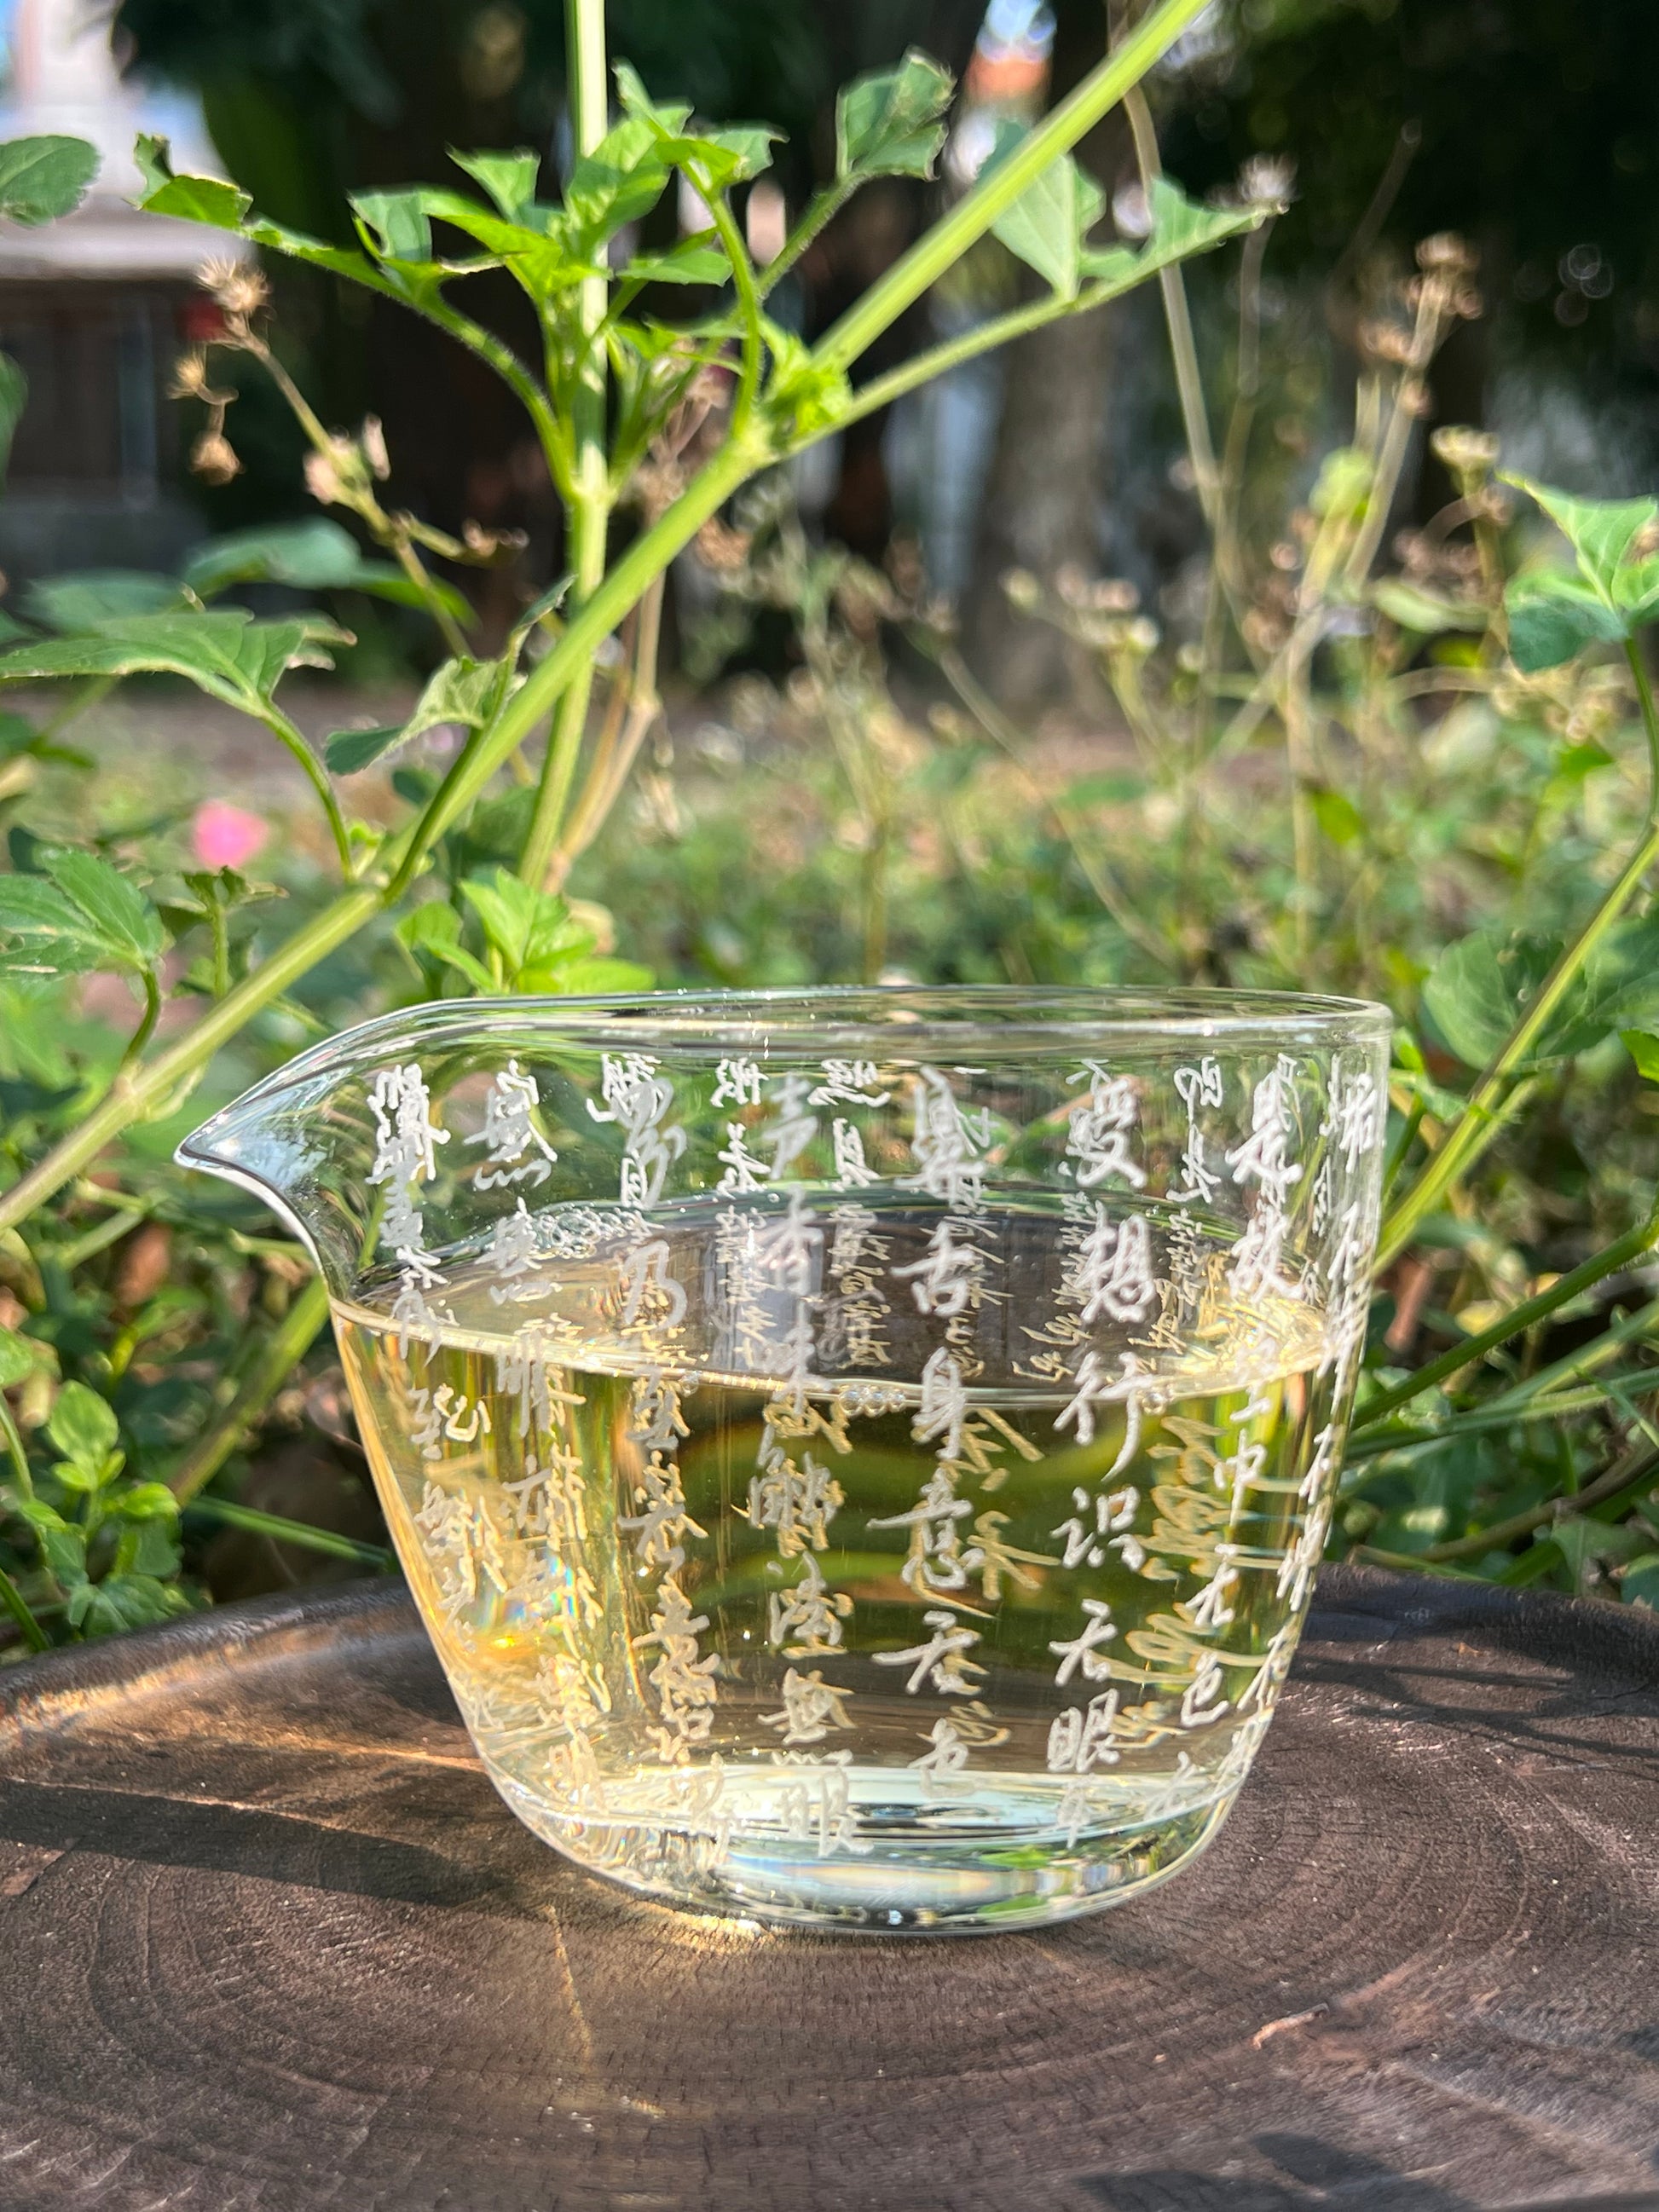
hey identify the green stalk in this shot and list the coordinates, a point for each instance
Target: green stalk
(1619, 1254)
(1177, 316)
(1480, 1120)
(626, 582)
(15, 1451)
(28, 1628)
(286, 1345)
(939, 249)
(821, 210)
(280, 726)
(588, 508)
(284, 1531)
(136, 1093)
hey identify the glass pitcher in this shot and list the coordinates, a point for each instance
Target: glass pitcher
(862, 1455)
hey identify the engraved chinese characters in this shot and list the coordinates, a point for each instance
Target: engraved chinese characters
(890, 1471)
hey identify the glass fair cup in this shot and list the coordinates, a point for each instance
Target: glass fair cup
(861, 1455)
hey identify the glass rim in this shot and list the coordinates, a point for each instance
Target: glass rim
(999, 1018)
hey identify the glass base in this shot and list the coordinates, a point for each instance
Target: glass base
(986, 1872)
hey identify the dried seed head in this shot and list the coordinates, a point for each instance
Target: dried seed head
(239, 287)
(323, 479)
(492, 545)
(373, 440)
(1385, 341)
(214, 458)
(1447, 253)
(189, 377)
(1467, 453)
(1267, 180)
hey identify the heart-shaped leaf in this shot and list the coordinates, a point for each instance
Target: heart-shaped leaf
(1553, 615)
(460, 691)
(509, 178)
(890, 124)
(41, 178)
(1045, 225)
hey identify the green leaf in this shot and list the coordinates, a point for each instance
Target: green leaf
(619, 182)
(1552, 617)
(348, 752)
(46, 932)
(890, 124)
(225, 652)
(803, 395)
(397, 223)
(713, 159)
(82, 1425)
(1482, 985)
(124, 920)
(529, 928)
(18, 1359)
(432, 931)
(88, 597)
(665, 121)
(14, 398)
(692, 262)
(41, 178)
(457, 692)
(589, 978)
(314, 556)
(62, 1546)
(1047, 224)
(146, 1501)
(150, 1548)
(1639, 1583)
(509, 178)
(1643, 1048)
(1337, 816)
(1600, 532)
(87, 916)
(195, 199)
(123, 1602)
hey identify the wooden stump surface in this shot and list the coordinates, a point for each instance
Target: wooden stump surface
(270, 1943)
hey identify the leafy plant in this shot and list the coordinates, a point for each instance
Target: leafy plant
(661, 388)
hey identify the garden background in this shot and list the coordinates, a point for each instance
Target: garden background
(1203, 637)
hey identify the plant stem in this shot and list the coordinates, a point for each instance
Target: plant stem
(611, 763)
(587, 510)
(821, 210)
(284, 1531)
(15, 1451)
(1626, 1473)
(1516, 1321)
(280, 726)
(1479, 1122)
(937, 249)
(152, 1014)
(28, 1628)
(286, 1345)
(644, 560)
(754, 336)
(1183, 346)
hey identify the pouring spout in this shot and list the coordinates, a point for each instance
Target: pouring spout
(281, 1143)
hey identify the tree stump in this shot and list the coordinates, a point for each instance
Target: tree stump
(271, 1944)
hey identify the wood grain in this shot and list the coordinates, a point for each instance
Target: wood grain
(270, 1943)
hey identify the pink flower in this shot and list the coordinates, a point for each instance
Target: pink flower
(226, 836)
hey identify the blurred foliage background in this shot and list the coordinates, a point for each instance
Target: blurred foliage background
(967, 696)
